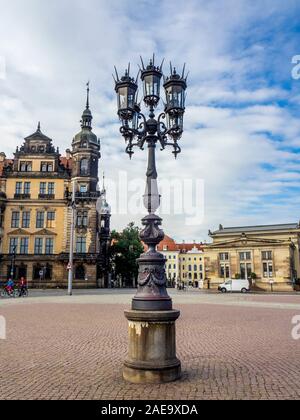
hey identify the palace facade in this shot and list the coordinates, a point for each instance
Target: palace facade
(36, 210)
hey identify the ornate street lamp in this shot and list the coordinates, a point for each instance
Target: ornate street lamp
(152, 318)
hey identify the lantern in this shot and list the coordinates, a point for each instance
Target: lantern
(126, 89)
(151, 77)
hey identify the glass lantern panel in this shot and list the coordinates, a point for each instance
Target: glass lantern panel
(156, 86)
(131, 98)
(123, 98)
(175, 97)
(148, 85)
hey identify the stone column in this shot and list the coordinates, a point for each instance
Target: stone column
(152, 347)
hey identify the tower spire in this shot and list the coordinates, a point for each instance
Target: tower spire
(88, 95)
(87, 117)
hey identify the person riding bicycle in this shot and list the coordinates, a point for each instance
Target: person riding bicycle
(22, 286)
(10, 286)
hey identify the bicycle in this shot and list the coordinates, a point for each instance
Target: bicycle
(9, 294)
(23, 292)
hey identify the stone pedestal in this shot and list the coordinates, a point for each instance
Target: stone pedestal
(152, 347)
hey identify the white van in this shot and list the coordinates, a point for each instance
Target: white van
(242, 286)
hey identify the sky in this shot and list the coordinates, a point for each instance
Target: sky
(242, 121)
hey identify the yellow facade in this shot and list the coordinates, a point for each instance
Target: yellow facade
(36, 211)
(266, 255)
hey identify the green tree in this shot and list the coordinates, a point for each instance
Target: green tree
(125, 250)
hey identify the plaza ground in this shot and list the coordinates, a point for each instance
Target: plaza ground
(231, 347)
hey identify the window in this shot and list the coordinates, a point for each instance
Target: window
(195, 268)
(50, 219)
(15, 219)
(84, 167)
(267, 258)
(82, 219)
(266, 255)
(200, 267)
(83, 188)
(26, 166)
(26, 219)
(51, 188)
(40, 219)
(43, 187)
(245, 256)
(85, 219)
(13, 245)
(81, 245)
(225, 271)
(268, 269)
(246, 270)
(24, 246)
(27, 186)
(49, 246)
(46, 167)
(224, 256)
(19, 186)
(190, 268)
(38, 246)
(80, 272)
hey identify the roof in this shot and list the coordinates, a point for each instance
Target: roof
(189, 247)
(4, 164)
(67, 163)
(248, 229)
(168, 244)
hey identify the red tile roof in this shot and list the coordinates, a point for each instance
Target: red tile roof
(168, 243)
(67, 163)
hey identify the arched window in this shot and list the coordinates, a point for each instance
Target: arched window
(84, 167)
(80, 272)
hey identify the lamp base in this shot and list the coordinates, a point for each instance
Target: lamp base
(152, 348)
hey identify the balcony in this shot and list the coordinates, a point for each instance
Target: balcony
(46, 196)
(22, 196)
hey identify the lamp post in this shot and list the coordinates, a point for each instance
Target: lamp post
(152, 318)
(13, 263)
(72, 234)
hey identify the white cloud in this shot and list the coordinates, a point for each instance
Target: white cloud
(234, 123)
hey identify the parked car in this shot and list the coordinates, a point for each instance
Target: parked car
(242, 286)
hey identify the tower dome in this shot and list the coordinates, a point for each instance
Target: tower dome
(86, 138)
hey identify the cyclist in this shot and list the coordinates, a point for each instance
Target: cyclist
(10, 286)
(22, 287)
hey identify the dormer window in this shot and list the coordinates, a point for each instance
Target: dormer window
(84, 144)
(26, 166)
(46, 167)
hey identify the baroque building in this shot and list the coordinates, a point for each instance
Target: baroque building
(36, 210)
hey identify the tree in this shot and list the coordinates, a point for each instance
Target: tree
(125, 250)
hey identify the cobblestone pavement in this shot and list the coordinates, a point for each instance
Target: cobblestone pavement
(231, 347)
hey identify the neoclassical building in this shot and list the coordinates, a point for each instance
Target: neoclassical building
(269, 255)
(36, 210)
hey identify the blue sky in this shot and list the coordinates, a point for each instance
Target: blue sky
(243, 111)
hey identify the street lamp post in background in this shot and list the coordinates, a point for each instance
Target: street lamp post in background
(152, 318)
(13, 263)
(72, 235)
